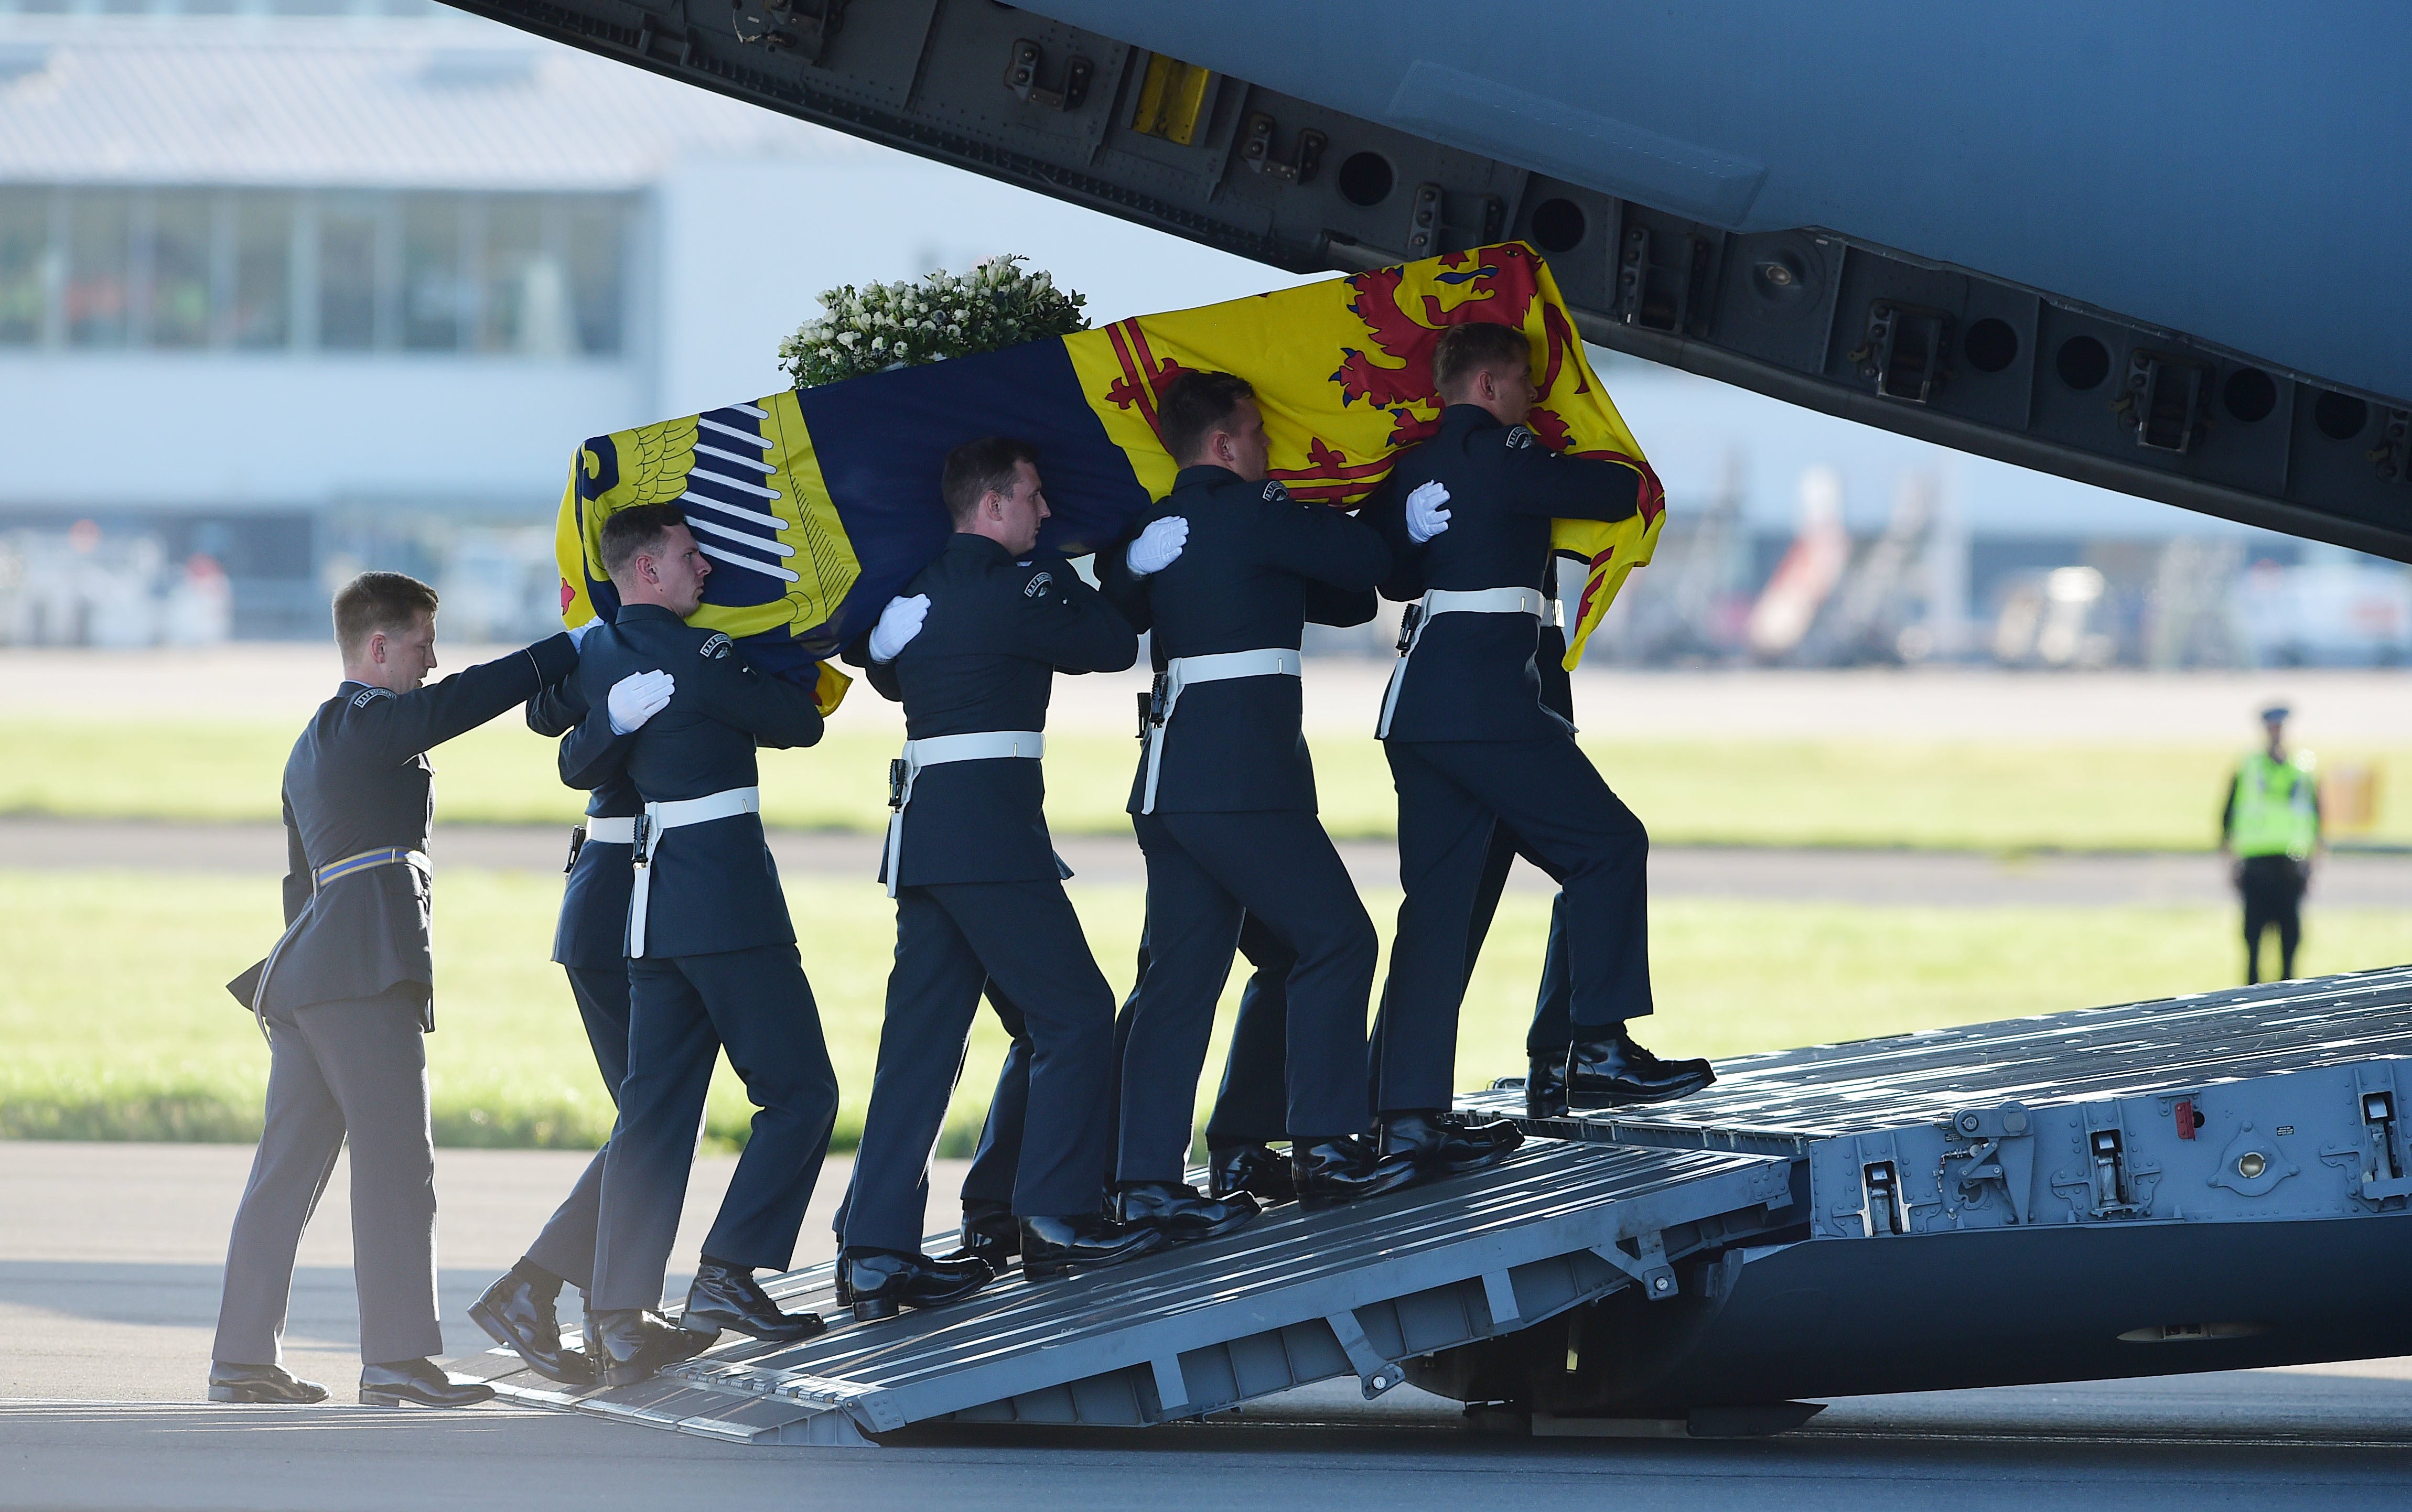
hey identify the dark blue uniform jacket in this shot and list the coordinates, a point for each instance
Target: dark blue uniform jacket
(997, 632)
(359, 780)
(593, 927)
(1471, 677)
(714, 886)
(1258, 566)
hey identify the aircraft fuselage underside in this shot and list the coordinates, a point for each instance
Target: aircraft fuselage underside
(1808, 315)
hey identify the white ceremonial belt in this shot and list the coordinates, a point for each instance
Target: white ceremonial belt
(941, 751)
(1454, 601)
(676, 814)
(619, 832)
(1183, 671)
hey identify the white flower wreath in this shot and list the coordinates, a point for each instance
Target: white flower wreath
(883, 325)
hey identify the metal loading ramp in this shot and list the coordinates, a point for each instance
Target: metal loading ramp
(2036, 1199)
(2207, 1182)
(1294, 1298)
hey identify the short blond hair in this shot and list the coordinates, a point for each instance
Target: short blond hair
(376, 601)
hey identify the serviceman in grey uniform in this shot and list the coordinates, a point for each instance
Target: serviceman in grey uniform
(971, 649)
(712, 961)
(1224, 804)
(346, 999)
(590, 944)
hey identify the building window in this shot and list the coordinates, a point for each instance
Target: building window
(99, 228)
(259, 294)
(511, 275)
(24, 259)
(433, 289)
(181, 237)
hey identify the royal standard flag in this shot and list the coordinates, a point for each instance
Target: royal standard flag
(818, 504)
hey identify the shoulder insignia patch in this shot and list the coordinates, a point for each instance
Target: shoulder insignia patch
(369, 695)
(714, 647)
(1275, 493)
(1038, 584)
(1519, 437)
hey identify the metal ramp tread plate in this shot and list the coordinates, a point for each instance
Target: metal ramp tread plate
(1295, 1297)
(1782, 1101)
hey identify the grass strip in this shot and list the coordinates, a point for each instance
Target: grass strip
(118, 1029)
(1920, 794)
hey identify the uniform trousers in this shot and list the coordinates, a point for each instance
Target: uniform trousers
(566, 1247)
(1252, 1106)
(1249, 1108)
(354, 1069)
(2273, 895)
(997, 1159)
(1453, 796)
(951, 939)
(1204, 872)
(1552, 1029)
(682, 1011)
(996, 1162)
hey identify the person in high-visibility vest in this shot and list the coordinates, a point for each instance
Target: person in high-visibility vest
(2270, 829)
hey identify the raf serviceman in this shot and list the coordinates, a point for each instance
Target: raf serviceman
(2271, 828)
(712, 961)
(346, 999)
(1248, 1111)
(971, 651)
(1227, 570)
(1472, 745)
(590, 943)
(1552, 1034)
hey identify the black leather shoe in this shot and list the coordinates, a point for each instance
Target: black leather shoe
(727, 1296)
(421, 1384)
(261, 1383)
(1253, 1169)
(1181, 1216)
(1440, 1147)
(630, 1344)
(1545, 1086)
(991, 1236)
(519, 1313)
(1611, 1069)
(1329, 1172)
(879, 1281)
(1050, 1246)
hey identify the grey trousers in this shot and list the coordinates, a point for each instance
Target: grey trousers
(354, 1069)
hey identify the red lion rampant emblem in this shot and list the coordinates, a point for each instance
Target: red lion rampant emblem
(1505, 284)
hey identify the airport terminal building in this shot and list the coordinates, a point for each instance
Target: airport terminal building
(297, 292)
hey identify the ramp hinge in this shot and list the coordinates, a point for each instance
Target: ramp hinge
(2000, 1153)
(2165, 400)
(1906, 352)
(2386, 1170)
(1257, 152)
(1646, 1263)
(1022, 78)
(1375, 1374)
(2113, 1184)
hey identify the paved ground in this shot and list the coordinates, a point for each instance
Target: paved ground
(1944, 878)
(109, 1261)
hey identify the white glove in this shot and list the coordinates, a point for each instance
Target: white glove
(578, 633)
(1426, 518)
(899, 623)
(637, 698)
(1158, 546)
